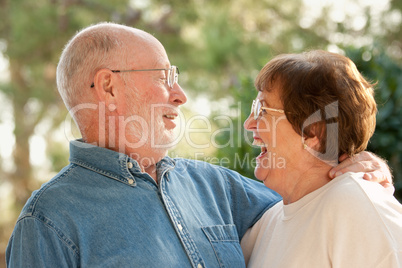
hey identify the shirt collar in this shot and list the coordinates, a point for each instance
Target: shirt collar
(112, 164)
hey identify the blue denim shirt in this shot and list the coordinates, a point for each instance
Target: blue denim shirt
(102, 211)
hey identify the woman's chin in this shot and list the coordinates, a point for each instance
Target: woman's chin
(261, 173)
(268, 176)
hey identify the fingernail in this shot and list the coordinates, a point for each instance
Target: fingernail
(331, 173)
(339, 173)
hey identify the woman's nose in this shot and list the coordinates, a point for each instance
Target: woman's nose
(250, 123)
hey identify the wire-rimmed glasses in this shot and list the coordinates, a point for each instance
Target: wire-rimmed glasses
(172, 75)
(257, 108)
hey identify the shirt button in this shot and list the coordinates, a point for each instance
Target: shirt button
(130, 165)
(130, 181)
(199, 265)
(179, 226)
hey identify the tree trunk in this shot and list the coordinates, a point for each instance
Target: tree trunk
(21, 177)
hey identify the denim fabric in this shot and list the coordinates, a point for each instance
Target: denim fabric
(102, 211)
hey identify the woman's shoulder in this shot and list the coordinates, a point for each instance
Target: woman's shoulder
(360, 210)
(350, 192)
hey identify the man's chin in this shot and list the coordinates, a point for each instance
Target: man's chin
(167, 142)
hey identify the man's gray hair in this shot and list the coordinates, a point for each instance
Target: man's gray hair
(91, 49)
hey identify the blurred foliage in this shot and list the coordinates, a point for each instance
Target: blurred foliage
(242, 153)
(377, 66)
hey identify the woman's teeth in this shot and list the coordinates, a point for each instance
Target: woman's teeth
(259, 143)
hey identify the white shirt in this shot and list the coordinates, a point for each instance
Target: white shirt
(349, 222)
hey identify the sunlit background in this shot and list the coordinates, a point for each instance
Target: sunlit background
(219, 47)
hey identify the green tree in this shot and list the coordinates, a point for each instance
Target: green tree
(377, 66)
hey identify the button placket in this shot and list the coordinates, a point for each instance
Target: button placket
(180, 227)
(185, 237)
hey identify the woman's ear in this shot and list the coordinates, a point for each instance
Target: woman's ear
(313, 143)
(315, 134)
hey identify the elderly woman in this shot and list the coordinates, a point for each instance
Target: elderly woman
(310, 109)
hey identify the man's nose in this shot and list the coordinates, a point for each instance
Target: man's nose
(177, 95)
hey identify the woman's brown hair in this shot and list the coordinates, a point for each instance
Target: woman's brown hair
(323, 94)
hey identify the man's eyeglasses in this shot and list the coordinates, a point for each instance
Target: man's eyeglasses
(257, 108)
(172, 75)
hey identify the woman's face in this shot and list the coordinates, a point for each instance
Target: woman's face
(280, 145)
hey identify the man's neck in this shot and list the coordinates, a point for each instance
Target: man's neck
(151, 172)
(147, 160)
(146, 157)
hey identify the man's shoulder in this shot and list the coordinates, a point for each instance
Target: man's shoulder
(197, 168)
(49, 194)
(205, 173)
(193, 164)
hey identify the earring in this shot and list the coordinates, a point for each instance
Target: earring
(304, 143)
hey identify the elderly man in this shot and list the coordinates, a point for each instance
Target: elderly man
(121, 202)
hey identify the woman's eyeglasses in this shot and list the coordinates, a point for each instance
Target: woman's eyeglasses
(257, 108)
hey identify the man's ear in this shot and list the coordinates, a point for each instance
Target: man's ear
(109, 88)
(103, 84)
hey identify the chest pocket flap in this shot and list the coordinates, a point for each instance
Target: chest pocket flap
(225, 242)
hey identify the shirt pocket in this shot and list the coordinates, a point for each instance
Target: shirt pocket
(225, 242)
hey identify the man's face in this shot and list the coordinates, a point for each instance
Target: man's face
(152, 106)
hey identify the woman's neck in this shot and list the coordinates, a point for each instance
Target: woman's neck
(305, 182)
